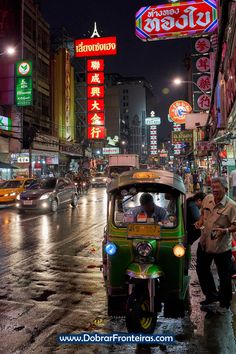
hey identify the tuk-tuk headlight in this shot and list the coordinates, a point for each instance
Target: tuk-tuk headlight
(110, 248)
(179, 251)
(144, 249)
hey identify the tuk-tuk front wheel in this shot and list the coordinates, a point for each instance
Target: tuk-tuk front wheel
(139, 319)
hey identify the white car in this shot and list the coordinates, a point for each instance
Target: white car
(99, 180)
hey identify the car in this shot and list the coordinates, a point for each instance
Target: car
(99, 179)
(9, 190)
(48, 195)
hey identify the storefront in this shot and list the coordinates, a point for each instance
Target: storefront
(44, 163)
(70, 157)
(45, 157)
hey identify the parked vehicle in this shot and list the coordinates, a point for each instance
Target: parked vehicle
(48, 195)
(145, 261)
(121, 163)
(10, 189)
(99, 180)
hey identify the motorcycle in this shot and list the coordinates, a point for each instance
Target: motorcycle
(144, 261)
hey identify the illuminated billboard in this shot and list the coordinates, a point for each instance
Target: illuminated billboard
(182, 19)
(178, 111)
(91, 47)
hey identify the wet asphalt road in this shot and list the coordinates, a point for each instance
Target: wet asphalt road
(51, 283)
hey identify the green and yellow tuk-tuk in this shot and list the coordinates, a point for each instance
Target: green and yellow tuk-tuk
(145, 255)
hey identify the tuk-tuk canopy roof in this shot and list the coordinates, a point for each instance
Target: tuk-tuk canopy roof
(147, 176)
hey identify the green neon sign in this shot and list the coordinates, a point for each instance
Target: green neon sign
(23, 68)
(24, 91)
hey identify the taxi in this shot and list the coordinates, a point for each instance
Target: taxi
(10, 189)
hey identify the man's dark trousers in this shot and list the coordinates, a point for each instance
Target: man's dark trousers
(224, 266)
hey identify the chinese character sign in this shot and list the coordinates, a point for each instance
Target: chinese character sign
(96, 133)
(95, 78)
(204, 82)
(201, 74)
(96, 118)
(202, 45)
(95, 65)
(182, 19)
(95, 98)
(203, 64)
(95, 105)
(95, 91)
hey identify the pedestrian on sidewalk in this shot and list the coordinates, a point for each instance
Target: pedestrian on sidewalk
(194, 204)
(195, 182)
(217, 222)
(232, 179)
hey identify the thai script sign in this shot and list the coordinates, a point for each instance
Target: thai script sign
(110, 150)
(153, 121)
(185, 136)
(71, 149)
(95, 47)
(183, 19)
(178, 111)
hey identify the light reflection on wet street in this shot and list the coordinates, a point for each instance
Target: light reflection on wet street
(51, 283)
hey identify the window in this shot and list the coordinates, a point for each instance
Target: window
(127, 208)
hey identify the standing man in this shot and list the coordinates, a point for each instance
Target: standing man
(217, 222)
(232, 179)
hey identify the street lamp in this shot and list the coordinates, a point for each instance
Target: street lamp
(178, 81)
(9, 51)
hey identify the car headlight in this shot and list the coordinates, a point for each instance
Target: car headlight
(104, 179)
(18, 197)
(6, 195)
(12, 194)
(179, 251)
(84, 184)
(144, 249)
(45, 196)
(93, 180)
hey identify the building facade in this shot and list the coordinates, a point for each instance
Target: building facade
(23, 27)
(126, 102)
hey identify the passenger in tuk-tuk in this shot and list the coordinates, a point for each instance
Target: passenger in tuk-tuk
(148, 210)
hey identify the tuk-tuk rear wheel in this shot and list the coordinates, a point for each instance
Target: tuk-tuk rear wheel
(138, 317)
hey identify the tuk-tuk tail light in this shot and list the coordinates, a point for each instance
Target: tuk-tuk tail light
(179, 251)
(111, 248)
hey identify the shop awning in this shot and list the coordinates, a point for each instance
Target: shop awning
(7, 165)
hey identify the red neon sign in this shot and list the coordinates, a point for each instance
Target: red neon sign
(91, 47)
(189, 18)
(96, 133)
(95, 78)
(95, 65)
(96, 105)
(96, 118)
(95, 91)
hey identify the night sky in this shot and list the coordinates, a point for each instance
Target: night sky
(158, 61)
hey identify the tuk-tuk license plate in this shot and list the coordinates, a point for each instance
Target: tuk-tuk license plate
(144, 231)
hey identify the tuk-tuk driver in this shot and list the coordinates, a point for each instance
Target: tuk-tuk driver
(148, 210)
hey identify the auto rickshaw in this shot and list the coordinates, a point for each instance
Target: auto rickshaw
(144, 260)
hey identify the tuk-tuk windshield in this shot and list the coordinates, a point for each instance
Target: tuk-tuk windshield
(146, 206)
